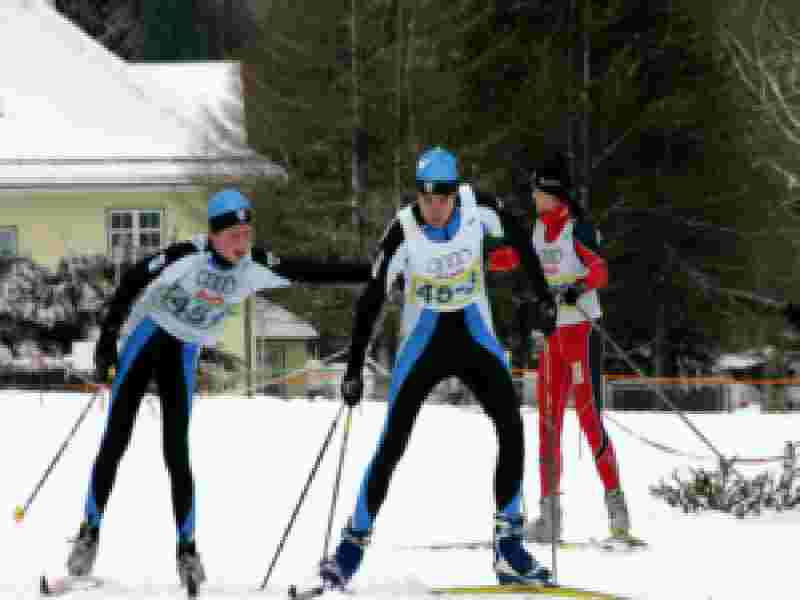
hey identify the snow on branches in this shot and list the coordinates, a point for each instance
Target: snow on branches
(725, 491)
(51, 307)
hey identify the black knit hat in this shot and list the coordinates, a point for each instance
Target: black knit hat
(552, 176)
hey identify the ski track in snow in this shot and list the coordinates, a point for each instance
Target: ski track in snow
(251, 458)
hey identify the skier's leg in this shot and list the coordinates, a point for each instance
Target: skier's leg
(130, 383)
(552, 393)
(577, 356)
(176, 376)
(487, 375)
(414, 376)
(591, 422)
(489, 379)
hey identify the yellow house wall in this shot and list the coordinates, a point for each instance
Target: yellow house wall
(56, 224)
(51, 225)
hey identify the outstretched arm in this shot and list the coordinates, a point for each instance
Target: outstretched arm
(304, 270)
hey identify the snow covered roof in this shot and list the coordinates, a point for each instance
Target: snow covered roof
(73, 112)
(206, 93)
(744, 360)
(274, 321)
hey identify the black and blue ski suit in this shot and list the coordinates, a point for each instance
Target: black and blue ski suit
(447, 331)
(172, 304)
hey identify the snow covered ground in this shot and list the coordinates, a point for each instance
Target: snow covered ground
(252, 456)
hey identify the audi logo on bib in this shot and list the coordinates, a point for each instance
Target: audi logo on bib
(222, 284)
(449, 265)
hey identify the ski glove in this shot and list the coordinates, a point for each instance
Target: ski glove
(352, 390)
(792, 314)
(105, 354)
(573, 292)
(539, 313)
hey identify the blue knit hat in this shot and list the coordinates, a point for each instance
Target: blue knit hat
(228, 207)
(437, 172)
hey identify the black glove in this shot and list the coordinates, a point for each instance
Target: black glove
(792, 314)
(538, 313)
(105, 354)
(352, 390)
(573, 292)
(547, 315)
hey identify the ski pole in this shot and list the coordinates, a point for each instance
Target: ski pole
(661, 395)
(337, 482)
(303, 494)
(348, 421)
(551, 467)
(375, 331)
(21, 510)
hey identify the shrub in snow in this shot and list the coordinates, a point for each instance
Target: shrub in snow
(52, 309)
(725, 491)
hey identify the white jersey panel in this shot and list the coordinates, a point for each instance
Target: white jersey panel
(562, 267)
(191, 297)
(445, 276)
(491, 221)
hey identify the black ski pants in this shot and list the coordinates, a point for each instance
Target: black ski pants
(150, 354)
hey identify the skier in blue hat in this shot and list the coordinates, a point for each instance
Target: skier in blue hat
(435, 249)
(170, 306)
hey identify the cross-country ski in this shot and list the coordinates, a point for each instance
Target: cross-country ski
(533, 591)
(61, 586)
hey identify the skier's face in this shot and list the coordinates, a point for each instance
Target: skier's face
(545, 202)
(436, 209)
(233, 243)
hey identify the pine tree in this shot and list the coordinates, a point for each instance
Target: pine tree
(339, 93)
(674, 186)
(171, 33)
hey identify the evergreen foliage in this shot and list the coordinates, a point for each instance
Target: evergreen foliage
(682, 132)
(170, 32)
(676, 190)
(726, 491)
(117, 24)
(208, 29)
(52, 309)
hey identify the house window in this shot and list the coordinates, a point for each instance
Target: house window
(133, 234)
(270, 356)
(8, 241)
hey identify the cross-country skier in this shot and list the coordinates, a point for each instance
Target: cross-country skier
(435, 249)
(568, 246)
(171, 305)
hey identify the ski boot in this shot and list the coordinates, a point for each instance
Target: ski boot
(84, 551)
(548, 524)
(336, 571)
(619, 522)
(513, 564)
(190, 568)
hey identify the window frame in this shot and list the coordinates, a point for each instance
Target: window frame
(135, 231)
(268, 348)
(15, 230)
